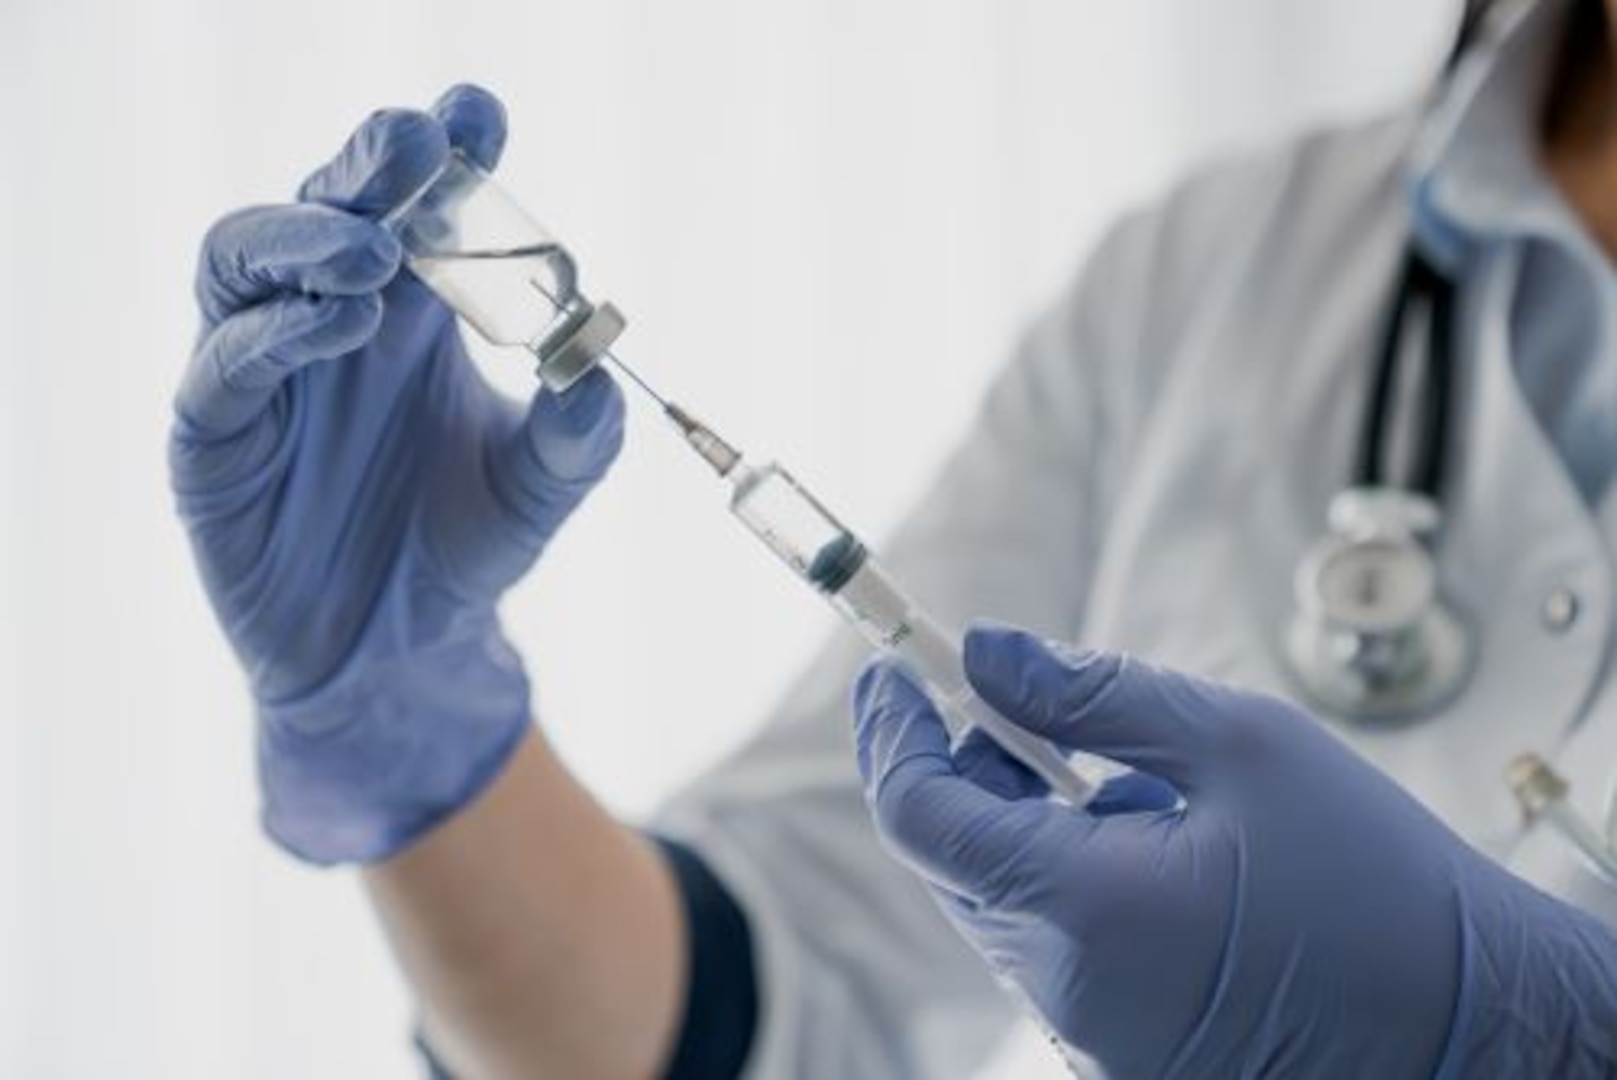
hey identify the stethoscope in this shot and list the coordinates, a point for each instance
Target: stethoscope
(1372, 639)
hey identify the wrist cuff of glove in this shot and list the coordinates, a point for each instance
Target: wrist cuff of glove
(366, 766)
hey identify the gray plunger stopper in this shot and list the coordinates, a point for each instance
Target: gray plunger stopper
(597, 327)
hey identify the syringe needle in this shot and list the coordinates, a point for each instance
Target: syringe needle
(838, 565)
(704, 440)
(634, 376)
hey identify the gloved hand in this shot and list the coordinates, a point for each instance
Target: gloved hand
(358, 498)
(1301, 915)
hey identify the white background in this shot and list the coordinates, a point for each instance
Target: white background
(826, 221)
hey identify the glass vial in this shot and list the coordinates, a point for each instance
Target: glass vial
(474, 246)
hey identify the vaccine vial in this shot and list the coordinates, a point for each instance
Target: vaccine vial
(513, 282)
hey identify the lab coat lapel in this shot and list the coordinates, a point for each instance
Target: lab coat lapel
(1587, 759)
(1518, 533)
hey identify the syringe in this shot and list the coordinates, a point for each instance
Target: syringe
(484, 256)
(820, 550)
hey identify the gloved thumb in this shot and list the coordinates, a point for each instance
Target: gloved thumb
(385, 161)
(1148, 718)
(562, 450)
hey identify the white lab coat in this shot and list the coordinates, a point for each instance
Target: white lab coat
(1144, 476)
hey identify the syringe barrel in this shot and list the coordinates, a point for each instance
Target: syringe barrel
(821, 551)
(875, 604)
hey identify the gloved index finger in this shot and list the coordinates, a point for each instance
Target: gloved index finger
(240, 363)
(254, 254)
(950, 830)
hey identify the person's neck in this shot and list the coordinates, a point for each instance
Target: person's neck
(1580, 123)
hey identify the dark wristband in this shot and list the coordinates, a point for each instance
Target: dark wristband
(721, 998)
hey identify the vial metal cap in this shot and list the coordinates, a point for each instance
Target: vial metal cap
(565, 362)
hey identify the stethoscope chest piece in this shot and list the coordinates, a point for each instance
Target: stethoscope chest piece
(1371, 639)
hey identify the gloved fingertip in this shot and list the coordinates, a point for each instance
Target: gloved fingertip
(1133, 793)
(872, 684)
(577, 434)
(589, 400)
(1033, 682)
(870, 691)
(403, 136)
(385, 245)
(987, 638)
(991, 645)
(1091, 672)
(1003, 655)
(373, 260)
(864, 685)
(321, 327)
(882, 692)
(353, 321)
(981, 760)
(897, 731)
(391, 155)
(466, 94)
(475, 121)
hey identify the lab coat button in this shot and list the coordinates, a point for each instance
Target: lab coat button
(1560, 610)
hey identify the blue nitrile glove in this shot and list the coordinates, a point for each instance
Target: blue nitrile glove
(358, 497)
(1301, 916)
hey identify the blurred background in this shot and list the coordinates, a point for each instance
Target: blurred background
(826, 219)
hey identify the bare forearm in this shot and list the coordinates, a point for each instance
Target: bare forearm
(542, 936)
